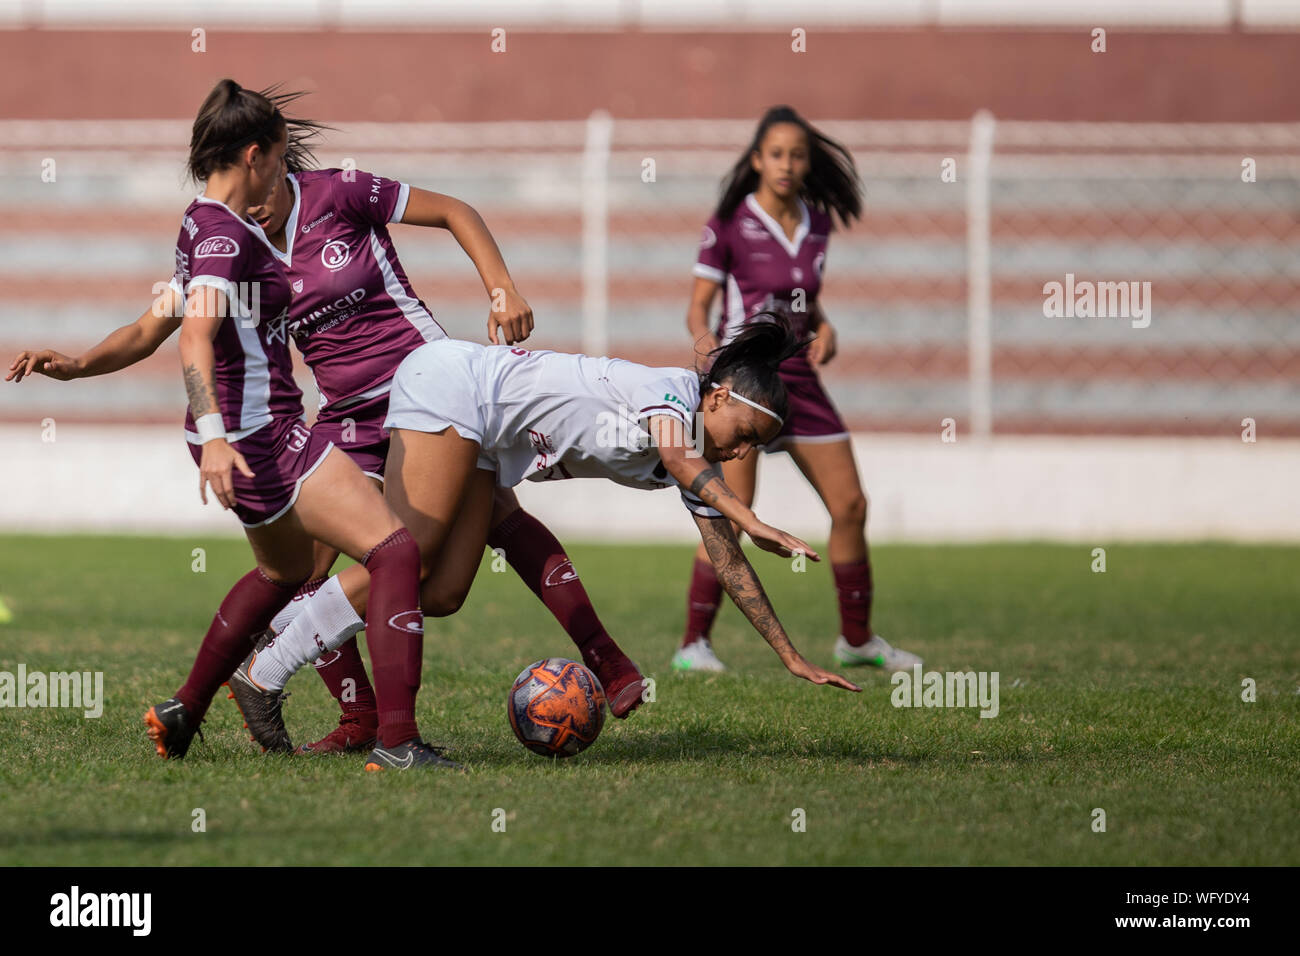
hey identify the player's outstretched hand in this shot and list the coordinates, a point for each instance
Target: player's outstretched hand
(218, 461)
(513, 322)
(43, 362)
(811, 672)
(778, 542)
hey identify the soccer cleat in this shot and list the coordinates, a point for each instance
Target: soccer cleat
(170, 729)
(877, 652)
(414, 753)
(697, 656)
(261, 710)
(354, 732)
(623, 686)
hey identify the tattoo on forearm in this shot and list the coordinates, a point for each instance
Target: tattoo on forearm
(711, 496)
(739, 580)
(197, 389)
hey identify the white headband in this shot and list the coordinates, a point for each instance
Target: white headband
(752, 404)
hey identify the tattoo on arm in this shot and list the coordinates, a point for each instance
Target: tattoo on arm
(200, 394)
(711, 496)
(739, 580)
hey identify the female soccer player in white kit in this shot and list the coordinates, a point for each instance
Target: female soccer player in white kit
(465, 418)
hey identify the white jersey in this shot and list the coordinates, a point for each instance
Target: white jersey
(544, 416)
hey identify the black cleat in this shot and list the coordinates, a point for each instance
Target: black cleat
(261, 710)
(170, 728)
(414, 753)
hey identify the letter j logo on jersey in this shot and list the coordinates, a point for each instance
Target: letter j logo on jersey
(335, 255)
(412, 622)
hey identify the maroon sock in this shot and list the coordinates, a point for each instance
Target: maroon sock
(395, 633)
(245, 613)
(701, 602)
(539, 559)
(346, 664)
(854, 588)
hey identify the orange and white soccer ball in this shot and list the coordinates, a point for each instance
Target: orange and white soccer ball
(556, 707)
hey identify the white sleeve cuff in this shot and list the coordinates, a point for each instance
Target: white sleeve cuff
(399, 209)
(708, 272)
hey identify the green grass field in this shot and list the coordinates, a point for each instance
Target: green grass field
(1120, 691)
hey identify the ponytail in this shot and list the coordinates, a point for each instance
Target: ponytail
(233, 118)
(749, 364)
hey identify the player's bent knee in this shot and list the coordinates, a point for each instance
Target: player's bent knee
(442, 604)
(852, 512)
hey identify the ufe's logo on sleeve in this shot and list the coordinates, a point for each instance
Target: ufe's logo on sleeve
(217, 246)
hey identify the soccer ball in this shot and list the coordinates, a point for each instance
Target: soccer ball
(556, 707)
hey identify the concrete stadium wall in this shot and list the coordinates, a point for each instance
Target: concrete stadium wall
(1090, 490)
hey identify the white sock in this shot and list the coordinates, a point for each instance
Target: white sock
(325, 622)
(292, 610)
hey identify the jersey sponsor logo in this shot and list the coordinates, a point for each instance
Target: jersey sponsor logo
(669, 397)
(334, 312)
(412, 622)
(708, 239)
(317, 221)
(519, 351)
(562, 573)
(277, 328)
(298, 438)
(222, 246)
(335, 255)
(751, 230)
(190, 226)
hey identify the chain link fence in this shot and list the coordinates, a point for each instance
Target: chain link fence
(1015, 277)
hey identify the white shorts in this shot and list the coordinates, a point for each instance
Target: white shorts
(440, 385)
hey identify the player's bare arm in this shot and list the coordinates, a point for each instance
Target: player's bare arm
(704, 480)
(119, 349)
(204, 313)
(739, 581)
(510, 317)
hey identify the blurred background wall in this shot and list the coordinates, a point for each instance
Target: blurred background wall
(1165, 149)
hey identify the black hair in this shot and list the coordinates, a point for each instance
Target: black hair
(748, 364)
(831, 185)
(233, 118)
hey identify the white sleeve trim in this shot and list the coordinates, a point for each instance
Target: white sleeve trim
(403, 196)
(697, 507)
(214, 282)
(179, 288)
(708, 272)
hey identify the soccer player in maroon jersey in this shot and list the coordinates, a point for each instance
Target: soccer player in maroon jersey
(245, 426)
(354, 317)
(765, 248)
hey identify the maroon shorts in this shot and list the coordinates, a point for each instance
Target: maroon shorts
(812, 416)
(281, 456)
(359, 431)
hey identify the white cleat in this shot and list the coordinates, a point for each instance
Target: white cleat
(877, 652)
(697, 656)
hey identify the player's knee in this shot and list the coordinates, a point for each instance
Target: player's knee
(852, 512)
(442, 603)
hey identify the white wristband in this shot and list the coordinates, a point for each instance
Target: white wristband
(210, 427)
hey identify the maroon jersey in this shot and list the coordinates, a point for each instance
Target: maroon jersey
(355, 316)
(760, 268)
(217, 249)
